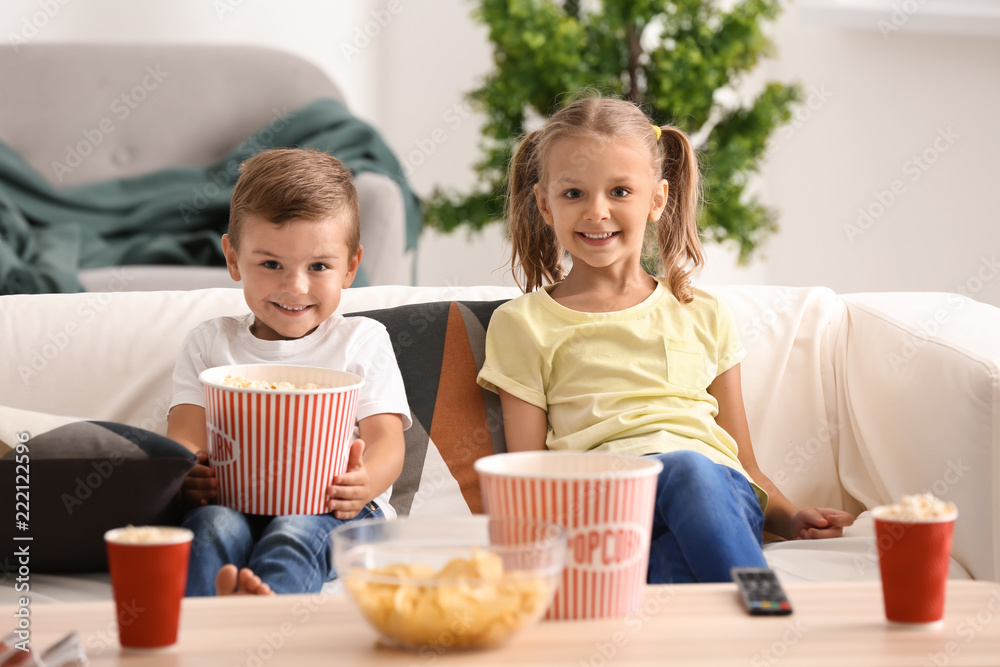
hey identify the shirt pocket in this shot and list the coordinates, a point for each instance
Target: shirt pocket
(686, 364)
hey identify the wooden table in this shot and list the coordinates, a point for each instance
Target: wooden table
(833, 624)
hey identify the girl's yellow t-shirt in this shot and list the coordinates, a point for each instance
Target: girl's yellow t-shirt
(632, 381)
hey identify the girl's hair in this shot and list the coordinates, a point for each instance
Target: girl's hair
(285, 184)
(536, 254)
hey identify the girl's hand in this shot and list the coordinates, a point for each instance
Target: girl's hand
(200, 486)
(811, 523)
(351, 491)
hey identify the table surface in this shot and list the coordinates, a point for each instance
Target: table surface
(833, 624)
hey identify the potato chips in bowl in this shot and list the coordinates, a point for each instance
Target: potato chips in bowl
(450, 583)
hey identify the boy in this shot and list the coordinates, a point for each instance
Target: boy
(294, 242)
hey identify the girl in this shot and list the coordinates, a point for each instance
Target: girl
(609, 358)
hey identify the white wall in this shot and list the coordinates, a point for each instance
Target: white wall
(876, 101)
(881, 104)
(313, 29)
(433, 56)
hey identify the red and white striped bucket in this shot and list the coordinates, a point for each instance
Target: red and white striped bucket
(275, 451)
(604, 501)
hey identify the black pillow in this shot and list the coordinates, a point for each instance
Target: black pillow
(81, 480)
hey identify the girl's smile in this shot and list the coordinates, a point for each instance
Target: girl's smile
(598, 195)
(598, 238)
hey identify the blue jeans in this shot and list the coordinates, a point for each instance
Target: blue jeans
(291, 554)
(707, 520)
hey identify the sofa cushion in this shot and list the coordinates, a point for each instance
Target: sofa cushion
(81, 479)
(439, 347)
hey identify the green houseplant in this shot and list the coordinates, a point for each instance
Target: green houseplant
(681, 60)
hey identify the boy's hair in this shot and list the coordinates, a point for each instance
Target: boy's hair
(536, 254)
(283, 184)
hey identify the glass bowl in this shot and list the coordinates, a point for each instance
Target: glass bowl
(450, 582)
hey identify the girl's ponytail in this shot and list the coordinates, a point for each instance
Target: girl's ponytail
(677, 229)
(536, 255)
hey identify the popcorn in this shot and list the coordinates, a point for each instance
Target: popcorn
(470, 602)
(148, 535)
(244, 383)
(918, 507)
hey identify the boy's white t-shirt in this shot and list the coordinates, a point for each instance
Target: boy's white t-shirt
(356, 345)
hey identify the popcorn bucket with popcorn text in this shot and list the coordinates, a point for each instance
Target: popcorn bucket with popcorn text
(604, 501)
(275, 451)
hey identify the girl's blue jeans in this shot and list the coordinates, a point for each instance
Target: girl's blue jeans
(291, 554)
(707, 520)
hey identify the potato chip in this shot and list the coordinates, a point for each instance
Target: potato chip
(468, 603)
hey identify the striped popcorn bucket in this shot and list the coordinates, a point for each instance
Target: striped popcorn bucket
(275, 451)
(604, 501)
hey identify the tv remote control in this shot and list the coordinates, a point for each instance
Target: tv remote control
(761, 591)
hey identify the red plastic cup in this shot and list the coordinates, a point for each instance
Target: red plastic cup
(148, 579)
(914, 560)
(275, 452)
(604, 501)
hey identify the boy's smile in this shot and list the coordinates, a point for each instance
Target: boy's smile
(292, 274)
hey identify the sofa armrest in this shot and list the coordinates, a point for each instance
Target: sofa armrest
(383, 231)
(919, 386)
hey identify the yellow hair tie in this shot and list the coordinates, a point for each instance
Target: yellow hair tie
(657, 131)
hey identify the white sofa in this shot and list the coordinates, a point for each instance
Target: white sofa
(852, 400)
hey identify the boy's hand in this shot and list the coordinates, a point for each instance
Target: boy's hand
(351, 491)
(200, 486)
(812, 523)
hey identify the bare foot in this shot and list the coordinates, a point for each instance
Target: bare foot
(230, 582)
